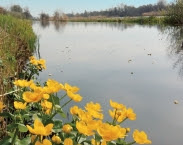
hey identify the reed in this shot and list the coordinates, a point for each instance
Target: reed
(17, 42)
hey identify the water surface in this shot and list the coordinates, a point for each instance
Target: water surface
(139, 66)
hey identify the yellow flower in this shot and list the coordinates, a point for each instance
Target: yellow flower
(140, 137)
(46, 96)
(94, 110)
(127, 130)
(19, 105)
(94, 142)
(83, 128)
(39, 128)
(67, 128)
(74, 97)
(1, 106)
(109, 132)
(84, 116)
(69, 88)
(41, 64)
(45, 142)
(74, 110)
(32, 97)
(56, 139)
(23, 83)
(130, 114)
(47, 106)
(53, 86)
(119, 115)
(116, 105)
(68, 141)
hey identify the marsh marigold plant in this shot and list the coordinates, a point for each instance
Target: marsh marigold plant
(36, 116)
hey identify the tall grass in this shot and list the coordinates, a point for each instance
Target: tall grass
(17, 42)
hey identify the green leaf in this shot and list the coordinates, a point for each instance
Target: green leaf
(97, 137)
(6, 141)
(56, 100)
(25, 141)
(61, 113)
(11, 126)
(111, 143)
(86, 141)
(7, 114)
(22, 127)
(57, 124)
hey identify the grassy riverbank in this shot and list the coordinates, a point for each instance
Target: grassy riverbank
(17, 42)
(140, 20)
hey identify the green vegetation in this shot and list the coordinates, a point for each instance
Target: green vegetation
(17, 42)
(139, 20)
(175, 13)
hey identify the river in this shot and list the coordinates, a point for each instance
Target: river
(138, 65)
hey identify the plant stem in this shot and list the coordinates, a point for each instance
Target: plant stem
(66, 103)
(114, 117)
(53, 115)
(63, 96)
(123, 121)
(10, 92)
(131, 143)
(14, 137)
(35, 140)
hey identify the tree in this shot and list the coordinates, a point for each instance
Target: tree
(27, 14)
(175, 12)
(16, 8)
(44, 17)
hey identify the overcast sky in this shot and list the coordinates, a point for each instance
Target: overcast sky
(68, 6)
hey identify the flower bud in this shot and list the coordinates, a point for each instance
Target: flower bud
(67, 128)
(56, 139)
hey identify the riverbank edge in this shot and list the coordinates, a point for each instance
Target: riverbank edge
(138, 20)
(17, 43)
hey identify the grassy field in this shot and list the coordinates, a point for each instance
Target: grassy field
(17, 42)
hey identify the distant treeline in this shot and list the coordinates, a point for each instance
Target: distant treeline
(24, 13)
(17, 11)
(124, 10)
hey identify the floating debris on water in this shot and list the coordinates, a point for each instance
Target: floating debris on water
(176, 102)
(50, 74)
(149, 54)
(129, 60)
(132, 73)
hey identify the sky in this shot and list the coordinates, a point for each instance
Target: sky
(69, 6)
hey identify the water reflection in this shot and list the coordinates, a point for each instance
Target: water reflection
(44, 24)
(175, 47)
(59, 26)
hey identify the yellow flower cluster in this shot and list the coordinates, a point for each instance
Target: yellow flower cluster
(120, 112)
(52, 86)
(90, 122)
(40, 64)
(43, 103)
